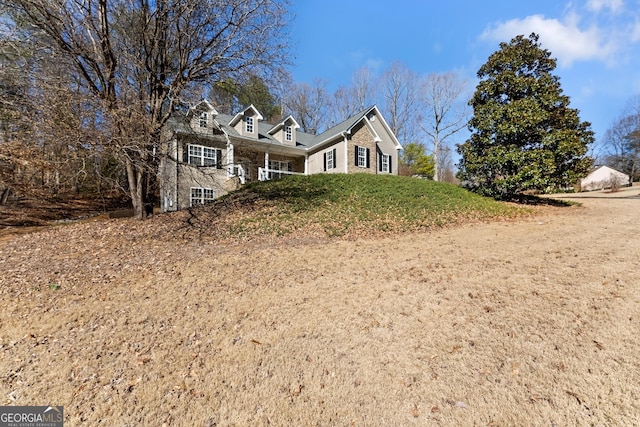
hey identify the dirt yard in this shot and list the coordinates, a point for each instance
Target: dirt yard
(530, 322)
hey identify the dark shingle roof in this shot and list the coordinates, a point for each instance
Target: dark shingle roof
(304, 140)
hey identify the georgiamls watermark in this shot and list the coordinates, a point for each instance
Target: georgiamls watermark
(31, 416)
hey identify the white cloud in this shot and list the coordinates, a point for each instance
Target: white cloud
(564, 39)
(597, 5)
(363, 58)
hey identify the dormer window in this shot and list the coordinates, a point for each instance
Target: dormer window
(288, 133)
(248, 120)
(203, 119)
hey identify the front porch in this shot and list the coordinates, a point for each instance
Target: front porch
(250, 166)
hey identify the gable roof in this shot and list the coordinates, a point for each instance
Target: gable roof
(347, 126)
(243, 113)
(304, 141)
(604, 172)
(280, 125)
(201, 106)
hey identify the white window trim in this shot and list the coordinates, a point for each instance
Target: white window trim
(202, 155)
(385, 162)
(204, 119)
(362, 157)
(331, 162)
(203, 196)
(288, 133)
(248, 121)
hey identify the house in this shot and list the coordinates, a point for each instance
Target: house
(207, 154)
(604, 177)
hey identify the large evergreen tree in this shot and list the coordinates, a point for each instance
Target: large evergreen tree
(524, 135)
(230, 96)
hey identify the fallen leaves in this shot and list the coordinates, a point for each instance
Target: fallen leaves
(414, 411)
(143, 360)
(445, 341)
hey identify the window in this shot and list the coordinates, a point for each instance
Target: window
(275, 166)
(195, 154)
(199, 155)
(330, 160)
(385, 163)
(362, 157)
(208, 156)
(201, 196)
(203, 120)
(249, 124)
(288, 133)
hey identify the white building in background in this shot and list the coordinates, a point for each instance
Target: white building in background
(603, 178)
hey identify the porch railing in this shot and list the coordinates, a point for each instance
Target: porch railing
(238, 170)
(266, 174)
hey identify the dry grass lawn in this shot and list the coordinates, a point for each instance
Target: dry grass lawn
(526, 322)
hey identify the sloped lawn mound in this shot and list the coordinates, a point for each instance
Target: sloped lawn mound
(328, 205)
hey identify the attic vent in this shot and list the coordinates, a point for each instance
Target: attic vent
(372, 117)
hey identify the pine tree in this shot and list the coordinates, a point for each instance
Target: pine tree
(524, 135)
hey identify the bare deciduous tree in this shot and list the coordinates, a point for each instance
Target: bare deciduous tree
(401, 92)
(136, 57)
(445, 112)
(352, 99)
(47, 127)
(622, 144)
(309, 105)
(620, 147)
(364, 88)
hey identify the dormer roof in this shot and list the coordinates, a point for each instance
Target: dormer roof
(289, 120)
(243, 113)
(201, 106)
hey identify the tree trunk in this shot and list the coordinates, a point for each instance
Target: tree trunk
(136, 178)
(436, 159)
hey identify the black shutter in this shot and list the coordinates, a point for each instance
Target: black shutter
(289, 166)
(325, 161)
(356, 157)
(335, 159)
(185, 153)
(368, 161)
(390, 170)
(380, 161)
(218, 158)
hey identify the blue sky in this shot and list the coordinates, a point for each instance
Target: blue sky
(596, 42)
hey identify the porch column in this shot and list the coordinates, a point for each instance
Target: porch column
(230, 159)
(306, 164)
(346, 153)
